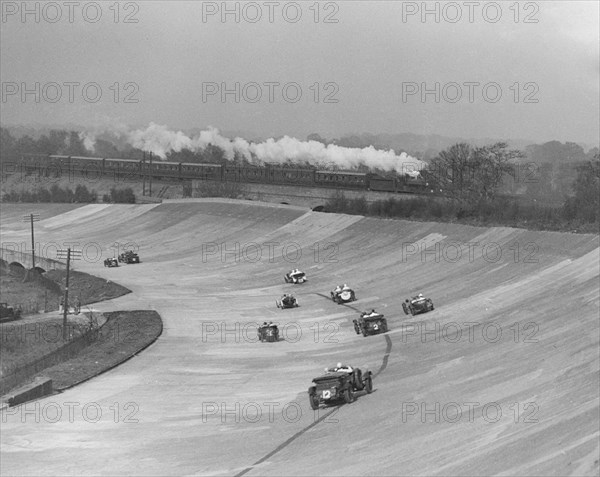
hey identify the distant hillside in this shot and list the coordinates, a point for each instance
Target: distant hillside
(428, 146)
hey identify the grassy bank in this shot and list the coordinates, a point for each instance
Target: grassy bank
(122, 335)
(33, 292)
(499, 212)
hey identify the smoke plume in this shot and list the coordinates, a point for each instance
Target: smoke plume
(160, 140)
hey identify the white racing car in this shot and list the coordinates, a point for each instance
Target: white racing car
(343, 294)
(295, 276)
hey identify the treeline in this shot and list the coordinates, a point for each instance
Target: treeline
(496, 212)
(55, 194)
(471, 179)
(81, 195)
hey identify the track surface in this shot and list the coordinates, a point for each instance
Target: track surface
(525, 402)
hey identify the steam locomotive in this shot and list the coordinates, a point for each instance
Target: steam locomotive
(133, 169)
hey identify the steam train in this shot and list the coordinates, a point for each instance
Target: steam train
(133, 169)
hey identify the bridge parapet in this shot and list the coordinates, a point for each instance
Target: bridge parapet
(23, 258)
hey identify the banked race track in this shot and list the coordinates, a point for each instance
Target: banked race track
(500, 379)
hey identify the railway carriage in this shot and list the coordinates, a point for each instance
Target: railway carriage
(209, 172)
(284, 174)
(122, 167)
(281, 174)
(342, 179)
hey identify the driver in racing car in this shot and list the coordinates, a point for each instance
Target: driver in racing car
(355, 373)
(294, 274)
(338, 290)
(345, 287)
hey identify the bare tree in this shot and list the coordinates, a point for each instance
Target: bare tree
(468, 173)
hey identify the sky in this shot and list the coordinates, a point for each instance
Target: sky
(503, 69)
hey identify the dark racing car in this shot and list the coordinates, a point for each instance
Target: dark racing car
(129, 257)
(343, 294)
(417, 305)
(268, 332)
(370, 324)
(339, 384)
(287, 301)
(111, 262)
(9, 313)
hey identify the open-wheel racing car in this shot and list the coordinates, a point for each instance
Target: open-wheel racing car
(268, 332)
(287, 301)
(370, 323)
(417, 304)
(295, 276)
(111, 262)
(343, 294)
(339, 383)
(129, 257)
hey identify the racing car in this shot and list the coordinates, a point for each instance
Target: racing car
(295, 276)
(339, 383)
(287, 301)
(9, 313)
(343, 294)
(129, 257)
(370, 323)
(417, 304)
(111, 262)
(268, 332)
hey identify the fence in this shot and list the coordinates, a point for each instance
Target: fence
(19, 374)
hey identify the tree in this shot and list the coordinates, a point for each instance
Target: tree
(586, 202)
(471, 174)
(54, 143)
(7, 145)
(122, 196)
(75, 145)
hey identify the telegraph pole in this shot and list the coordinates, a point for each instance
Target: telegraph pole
(150, 178)
(144, 174)
(76, 255)
(32, 218)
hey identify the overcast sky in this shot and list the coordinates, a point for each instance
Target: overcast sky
(346, 66)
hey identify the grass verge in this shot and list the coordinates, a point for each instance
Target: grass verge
(124, 334)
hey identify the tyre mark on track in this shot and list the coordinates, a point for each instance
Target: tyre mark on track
(288, 441)
(386, 356)
(384, 363)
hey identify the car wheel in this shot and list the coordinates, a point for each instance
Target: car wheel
(412, 311)
(314, 401)
(405, 308)
(348, 395)
(369, 385)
